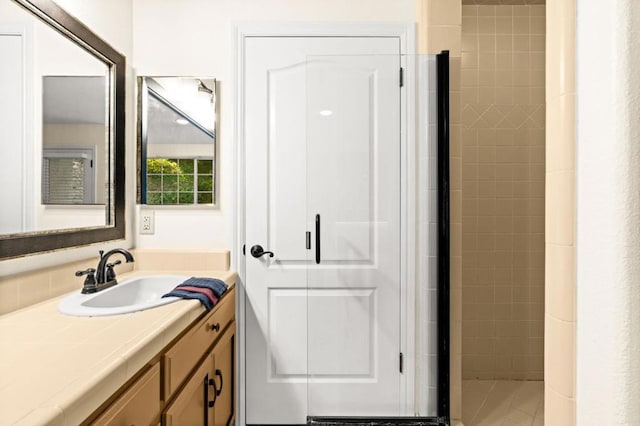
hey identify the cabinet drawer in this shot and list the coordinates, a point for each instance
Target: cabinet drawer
(139, 405)
(181, 358)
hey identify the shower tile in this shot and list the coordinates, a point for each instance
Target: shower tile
(503, 257)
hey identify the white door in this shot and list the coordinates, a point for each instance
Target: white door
(12, 148)
(322, 138)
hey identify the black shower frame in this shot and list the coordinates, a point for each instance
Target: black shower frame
(444, 238)
(443, 417)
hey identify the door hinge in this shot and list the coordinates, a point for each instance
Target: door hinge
(401, 362)
(308, 240)
(243, 249)
(401, 77)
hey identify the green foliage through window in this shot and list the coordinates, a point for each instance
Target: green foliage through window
(180, 181)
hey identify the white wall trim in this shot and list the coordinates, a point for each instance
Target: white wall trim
(406, 33)
(25, 32)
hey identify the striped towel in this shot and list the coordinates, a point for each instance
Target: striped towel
(217, 286)
(207, 290)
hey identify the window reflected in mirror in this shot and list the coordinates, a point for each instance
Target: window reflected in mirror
(177, 141)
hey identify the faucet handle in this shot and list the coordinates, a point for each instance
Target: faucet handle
(89, 272)
(110, 274)
(89, 285)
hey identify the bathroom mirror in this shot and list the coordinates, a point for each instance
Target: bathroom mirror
(177, 141)
(62, 125)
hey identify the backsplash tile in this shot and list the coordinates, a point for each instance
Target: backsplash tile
(22, 290)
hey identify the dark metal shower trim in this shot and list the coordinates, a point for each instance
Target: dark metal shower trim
(444, 323)
(373, 421)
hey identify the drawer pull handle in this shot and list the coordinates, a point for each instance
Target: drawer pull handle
(219, 374)
(214, 327)
(212, 383)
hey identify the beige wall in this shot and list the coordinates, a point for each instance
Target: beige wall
(560, 294)
(439, 26)
(503, 118)
(196, 38)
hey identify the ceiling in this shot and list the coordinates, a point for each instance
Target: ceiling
(163, 126)
(74, 99)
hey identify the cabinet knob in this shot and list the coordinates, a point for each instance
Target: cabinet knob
(214, 327)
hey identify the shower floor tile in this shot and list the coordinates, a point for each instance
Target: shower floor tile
(502, 403)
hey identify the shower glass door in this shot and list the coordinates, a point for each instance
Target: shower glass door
(353, 214)
(360, 158)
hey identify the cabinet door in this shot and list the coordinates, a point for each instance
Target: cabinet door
(138, 405)
(191, 405)
(224, 377)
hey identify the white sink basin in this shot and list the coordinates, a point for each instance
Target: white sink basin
(131, 295)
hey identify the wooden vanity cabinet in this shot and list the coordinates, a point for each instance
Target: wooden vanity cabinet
(191, 405)
(204, 396)
(224, 377)
(180, 359)
(138, 405)
(207, 396)
(191, 382)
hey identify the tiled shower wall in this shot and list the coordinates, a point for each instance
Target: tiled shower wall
(503, 172)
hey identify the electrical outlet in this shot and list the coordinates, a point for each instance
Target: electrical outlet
(147, 222)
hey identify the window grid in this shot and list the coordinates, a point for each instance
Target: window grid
(182, 181)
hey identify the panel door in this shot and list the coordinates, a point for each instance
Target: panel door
(276, 218)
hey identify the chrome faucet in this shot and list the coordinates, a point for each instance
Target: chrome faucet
(104, 276)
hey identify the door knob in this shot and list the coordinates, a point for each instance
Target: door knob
(257, 251)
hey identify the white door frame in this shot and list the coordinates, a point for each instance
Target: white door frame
(25, 32)
(407, 34)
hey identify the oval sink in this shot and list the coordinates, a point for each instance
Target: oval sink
(131, 295)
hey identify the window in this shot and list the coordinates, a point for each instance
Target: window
(179, 181)
(68, 176)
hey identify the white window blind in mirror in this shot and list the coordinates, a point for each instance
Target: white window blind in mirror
(68, 176)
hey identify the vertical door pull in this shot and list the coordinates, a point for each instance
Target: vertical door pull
(212, 383)
(317, 239)
(219, 390)
(206, 399)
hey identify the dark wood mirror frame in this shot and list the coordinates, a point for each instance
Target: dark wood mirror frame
(16, 245)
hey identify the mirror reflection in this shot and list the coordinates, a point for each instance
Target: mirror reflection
(54, 125)
(177, 140)
(74, 137)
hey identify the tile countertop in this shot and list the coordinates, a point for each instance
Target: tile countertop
(57, 369)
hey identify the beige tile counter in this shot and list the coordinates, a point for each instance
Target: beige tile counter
(57, 369)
